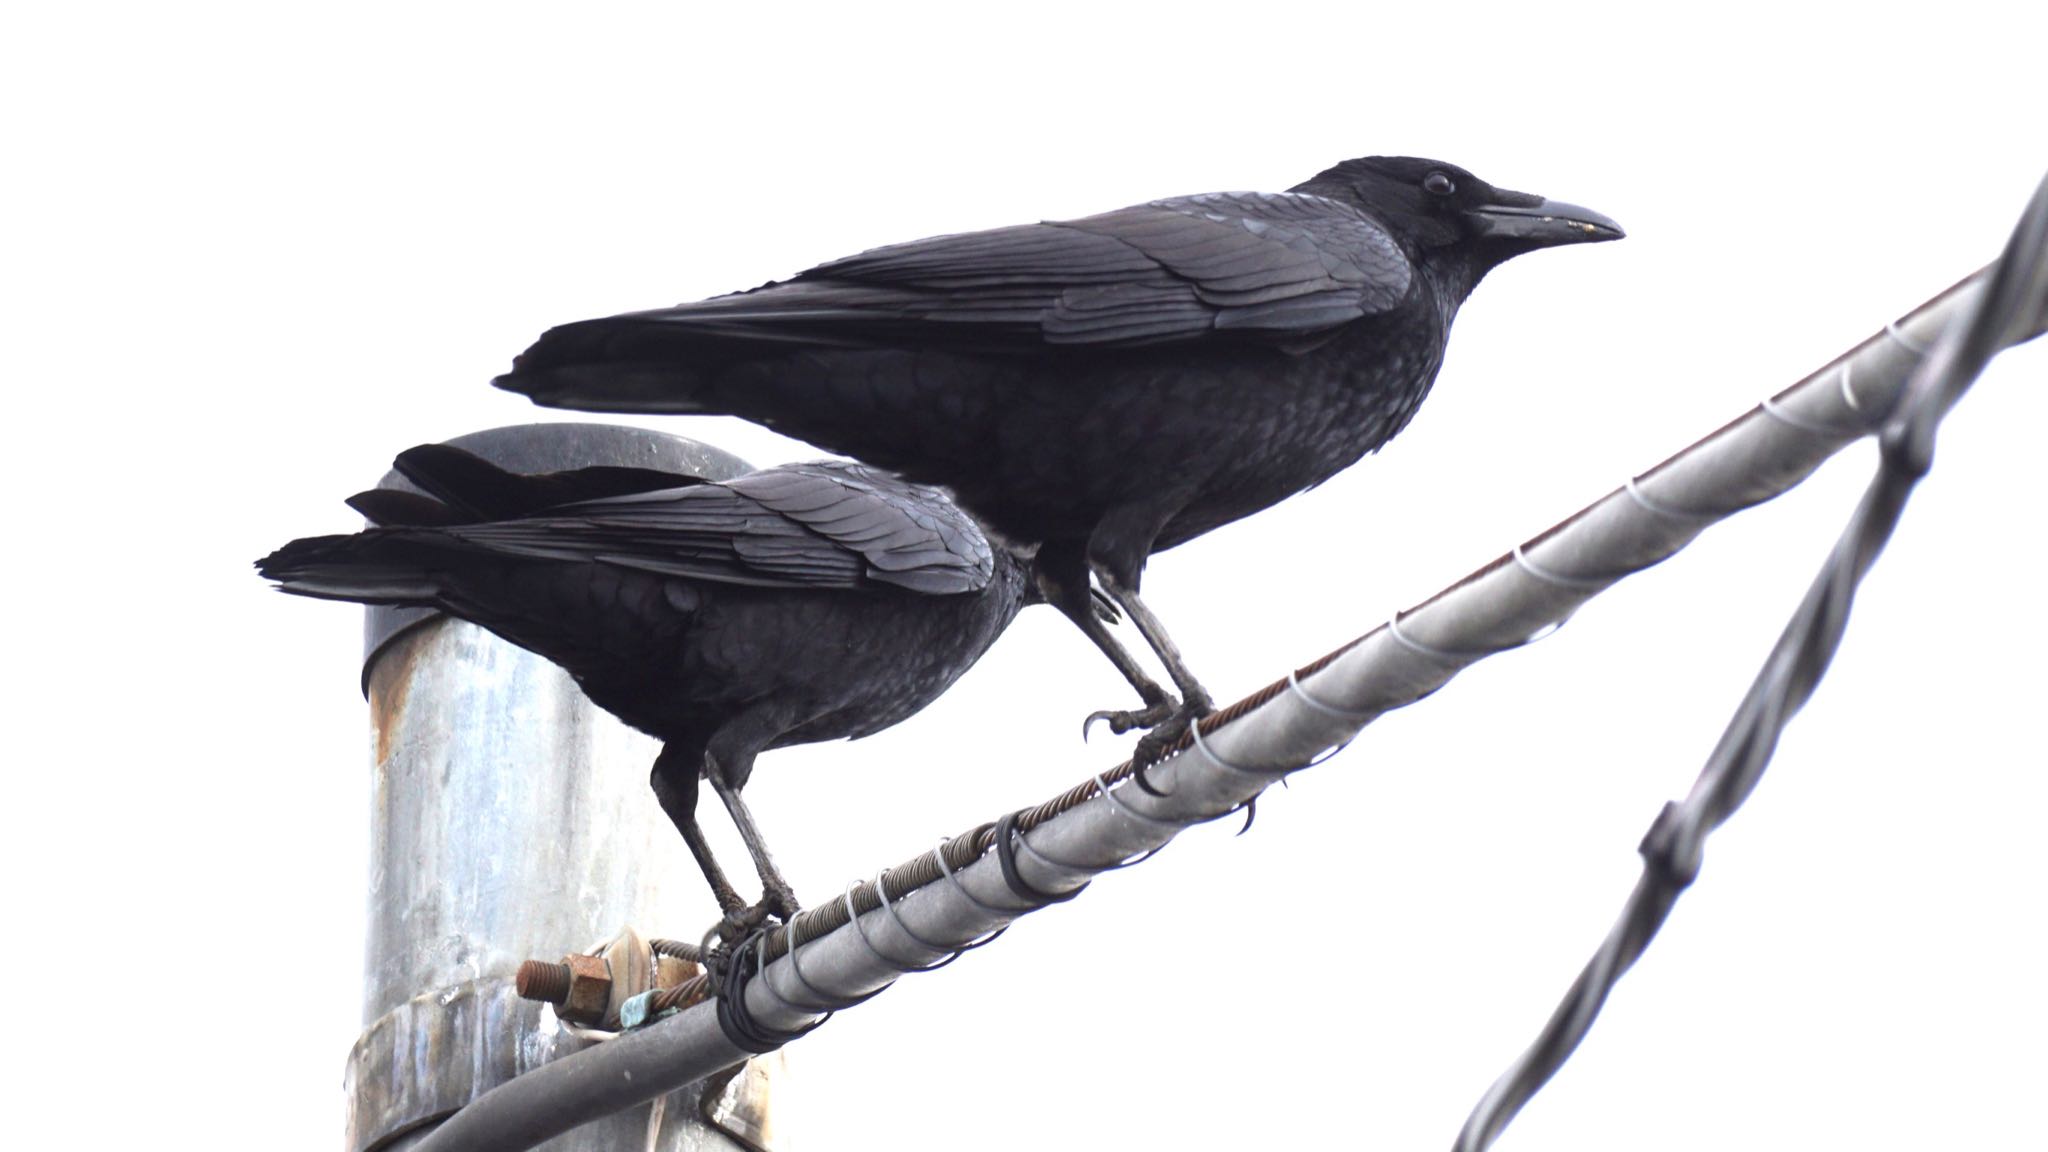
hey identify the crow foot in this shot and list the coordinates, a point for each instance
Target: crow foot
(738, 923)
(1165, 734)
(778, 903)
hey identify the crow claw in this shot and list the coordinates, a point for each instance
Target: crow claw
(1152, 749)
(1121, 721)
(1144, 785)
(1165, 733)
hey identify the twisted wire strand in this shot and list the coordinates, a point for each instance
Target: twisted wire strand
(681, 950)
(1673, 848)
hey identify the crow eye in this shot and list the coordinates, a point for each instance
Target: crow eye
(1438, 184)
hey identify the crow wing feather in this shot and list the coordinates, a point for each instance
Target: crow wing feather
(1277, 266)
(824, 525)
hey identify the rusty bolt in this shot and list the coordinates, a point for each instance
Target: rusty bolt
(580, 987)
(540, 980)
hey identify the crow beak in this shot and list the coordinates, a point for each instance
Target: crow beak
(1543, 223)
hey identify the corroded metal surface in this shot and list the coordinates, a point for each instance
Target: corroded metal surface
(450, 1045)
(510, 819)
(590, 990)
(736, 1102)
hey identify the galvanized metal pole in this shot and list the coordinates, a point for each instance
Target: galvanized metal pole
(511, 819)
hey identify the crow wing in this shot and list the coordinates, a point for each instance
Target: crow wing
(826, 525)
(1272, 266)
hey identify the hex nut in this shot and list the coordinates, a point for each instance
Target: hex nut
(590, 990)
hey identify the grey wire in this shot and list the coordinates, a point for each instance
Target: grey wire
(1777, 411)
(820, 1001)
(1430, 651)
(1898, 335)
(1201, 744)
(882, 894)
(1024, 842)
(767, 985)
(1848, 388)
(1124, 806)
(1657, 508)
(1550, 576)
(853, 917)
(1348, 715)
(945, 869)
(1672, 850)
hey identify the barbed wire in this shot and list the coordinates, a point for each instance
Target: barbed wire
(923, 912)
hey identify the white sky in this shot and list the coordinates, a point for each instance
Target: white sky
(255, 250)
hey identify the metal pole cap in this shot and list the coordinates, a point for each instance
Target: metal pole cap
(531, 449)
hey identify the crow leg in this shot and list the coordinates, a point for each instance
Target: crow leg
(777, 896)
(1063, 581)
(675, 785)
(1195, 701)
(1159, 703)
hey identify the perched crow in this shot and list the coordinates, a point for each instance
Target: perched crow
(1106, 387)
(790, 605)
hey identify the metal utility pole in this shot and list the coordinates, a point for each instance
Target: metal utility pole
(512, 819)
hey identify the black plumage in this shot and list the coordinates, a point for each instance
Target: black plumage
(791, 605)
(1106, 387)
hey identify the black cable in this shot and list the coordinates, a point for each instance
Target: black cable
(734, 1018)
(2013, 304)
(1006, 856)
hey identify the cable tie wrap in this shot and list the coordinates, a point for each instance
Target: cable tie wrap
(896, 918)
(1007, 834)
(735, 1020)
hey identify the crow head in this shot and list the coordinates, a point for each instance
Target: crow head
(1452, 217)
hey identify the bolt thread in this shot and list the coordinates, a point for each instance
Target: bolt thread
(678, 949)
(682, 995)
(540, 980)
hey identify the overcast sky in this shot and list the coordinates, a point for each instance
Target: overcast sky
(255, 250)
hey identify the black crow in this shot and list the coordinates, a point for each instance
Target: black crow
(787, 606)
(1106, 387)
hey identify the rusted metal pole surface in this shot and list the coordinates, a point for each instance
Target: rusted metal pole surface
(510, 819)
